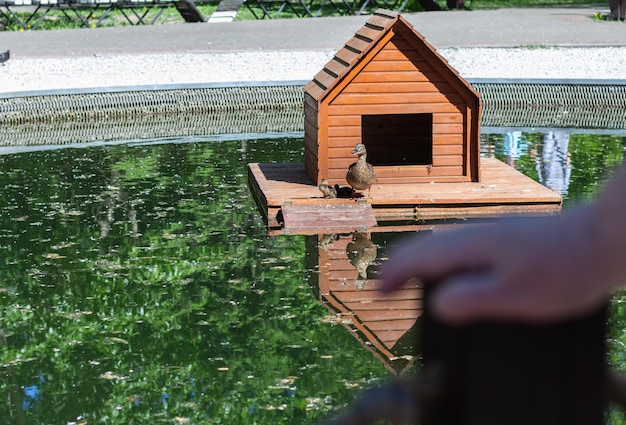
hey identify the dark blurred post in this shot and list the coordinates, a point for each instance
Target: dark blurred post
(517, 374)
(618, 9)
(429, 5)
(455, 4)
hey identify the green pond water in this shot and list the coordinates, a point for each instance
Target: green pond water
(138, 284)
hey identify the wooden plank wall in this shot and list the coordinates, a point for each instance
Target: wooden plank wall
(399, 81)
(311, 132)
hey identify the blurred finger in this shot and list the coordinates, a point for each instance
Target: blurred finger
(469, 297)
(430, 258)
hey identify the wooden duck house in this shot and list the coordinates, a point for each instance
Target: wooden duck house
(390, 90)
(419, 120)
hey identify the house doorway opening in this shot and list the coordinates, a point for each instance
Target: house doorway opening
(398, 139)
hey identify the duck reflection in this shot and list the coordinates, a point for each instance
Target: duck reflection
(361, 252)
(346, 285)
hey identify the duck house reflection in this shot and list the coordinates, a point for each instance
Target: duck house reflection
(385, 324)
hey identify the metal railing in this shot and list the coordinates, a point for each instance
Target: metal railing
(29, 14)
(62, 117)
(274, 9)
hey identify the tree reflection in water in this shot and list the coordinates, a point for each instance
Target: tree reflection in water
(138, 285)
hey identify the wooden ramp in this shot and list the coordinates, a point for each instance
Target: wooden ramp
(336, 217)
(502, 191)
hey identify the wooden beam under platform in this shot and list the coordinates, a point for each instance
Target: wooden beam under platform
(502, 191)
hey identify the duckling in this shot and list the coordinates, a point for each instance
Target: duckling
(327, 190)
(361, 174)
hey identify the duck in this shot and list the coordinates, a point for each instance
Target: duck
(361, 174)
(327, 190)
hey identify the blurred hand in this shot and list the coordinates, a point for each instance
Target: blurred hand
(518, 269)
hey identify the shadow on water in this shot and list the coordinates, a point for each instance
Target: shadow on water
(138, 285)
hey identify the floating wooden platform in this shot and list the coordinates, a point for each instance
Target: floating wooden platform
(502, 191)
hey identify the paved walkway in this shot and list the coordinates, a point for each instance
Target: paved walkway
(494, 28)
(271, 49)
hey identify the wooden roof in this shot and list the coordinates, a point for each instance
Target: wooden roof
(363, 41)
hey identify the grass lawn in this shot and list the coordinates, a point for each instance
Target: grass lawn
(414, 6)
(59, 20)
(498, 4)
